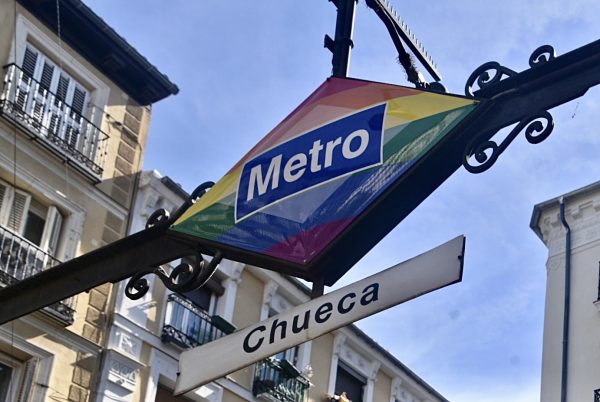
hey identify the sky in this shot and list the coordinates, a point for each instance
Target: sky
(242, 66)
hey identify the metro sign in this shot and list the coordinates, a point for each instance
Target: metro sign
(327, 153)
(312, 197)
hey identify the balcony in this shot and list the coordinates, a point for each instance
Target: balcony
(20, 259)
(188, 326)
(597, 395)
(45, 117)
(279, 381)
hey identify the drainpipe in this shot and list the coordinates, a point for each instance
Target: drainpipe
(567, 302)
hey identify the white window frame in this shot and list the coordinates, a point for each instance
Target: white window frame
(274, 300)
(355, 357)
(28, 32)
(52, 215)
(57, 72)
(15, 375)
(33, 372)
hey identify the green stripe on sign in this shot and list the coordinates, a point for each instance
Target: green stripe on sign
(211, 222)
(407, 142)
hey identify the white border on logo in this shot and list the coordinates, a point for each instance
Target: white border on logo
(386, 103)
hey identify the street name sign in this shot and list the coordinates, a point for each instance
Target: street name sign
(310, 199)
(437, 268)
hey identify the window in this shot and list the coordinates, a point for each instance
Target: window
(51, 97)
(189, 319)
(5, 376)
(29, 234)
(30, 219)
(163, 394)
(349, 381)
(203, 298)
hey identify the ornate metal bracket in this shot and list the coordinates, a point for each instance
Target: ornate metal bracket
(537, 126)
(183, 278)
(186, 276)
(482, 77)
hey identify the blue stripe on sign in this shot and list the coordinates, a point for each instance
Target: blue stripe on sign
(336, 149)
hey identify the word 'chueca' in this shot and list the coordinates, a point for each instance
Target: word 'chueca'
(301, 322)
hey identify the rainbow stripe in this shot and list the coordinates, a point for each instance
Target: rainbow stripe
(298, 228)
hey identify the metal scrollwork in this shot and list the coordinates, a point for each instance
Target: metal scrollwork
(196, 194)
(158, 218)
(537, 128)
(184, 277)
(484, 79)
(541, 55)
(138, 286)
(162, 217)
(492, 72)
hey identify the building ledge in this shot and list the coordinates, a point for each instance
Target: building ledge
(101, 45)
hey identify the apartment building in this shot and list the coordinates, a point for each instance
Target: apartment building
(74, 114)
(569, 226)
(147, 336)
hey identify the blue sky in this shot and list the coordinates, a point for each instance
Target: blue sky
(242, 66)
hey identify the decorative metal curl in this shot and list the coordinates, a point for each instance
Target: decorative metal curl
(197, 193)
(541, 55)
(138, 286)
(162, 217)
(482, 76)
(158, 218)
(183, 278)
(487, 152)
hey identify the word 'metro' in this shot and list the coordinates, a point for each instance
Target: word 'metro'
(280, 328)
(336, 149)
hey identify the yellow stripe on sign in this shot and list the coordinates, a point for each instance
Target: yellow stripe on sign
(409, 108)
(225, 187)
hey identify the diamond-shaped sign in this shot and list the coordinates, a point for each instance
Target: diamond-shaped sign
(304, 200)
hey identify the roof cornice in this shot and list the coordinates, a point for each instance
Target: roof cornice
(103, 47)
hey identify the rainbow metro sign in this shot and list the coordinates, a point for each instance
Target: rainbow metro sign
(332, 179)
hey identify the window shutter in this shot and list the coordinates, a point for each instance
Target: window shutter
(29, 61)
(61, 89)
(4, 190)
(18, 211)
(46, 77)
(78, 103)
(51, 235)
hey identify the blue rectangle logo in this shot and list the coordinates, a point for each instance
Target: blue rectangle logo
(334, 150)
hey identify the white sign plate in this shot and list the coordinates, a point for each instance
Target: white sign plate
(432, 270)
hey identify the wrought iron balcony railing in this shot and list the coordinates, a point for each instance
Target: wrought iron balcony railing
(187, 325)
(20, 259)
(597, 395)
(279, 381)
(48, 118)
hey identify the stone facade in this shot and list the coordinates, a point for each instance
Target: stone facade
(582, 214)
(67, 180)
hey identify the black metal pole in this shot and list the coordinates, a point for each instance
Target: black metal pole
(342, 44)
